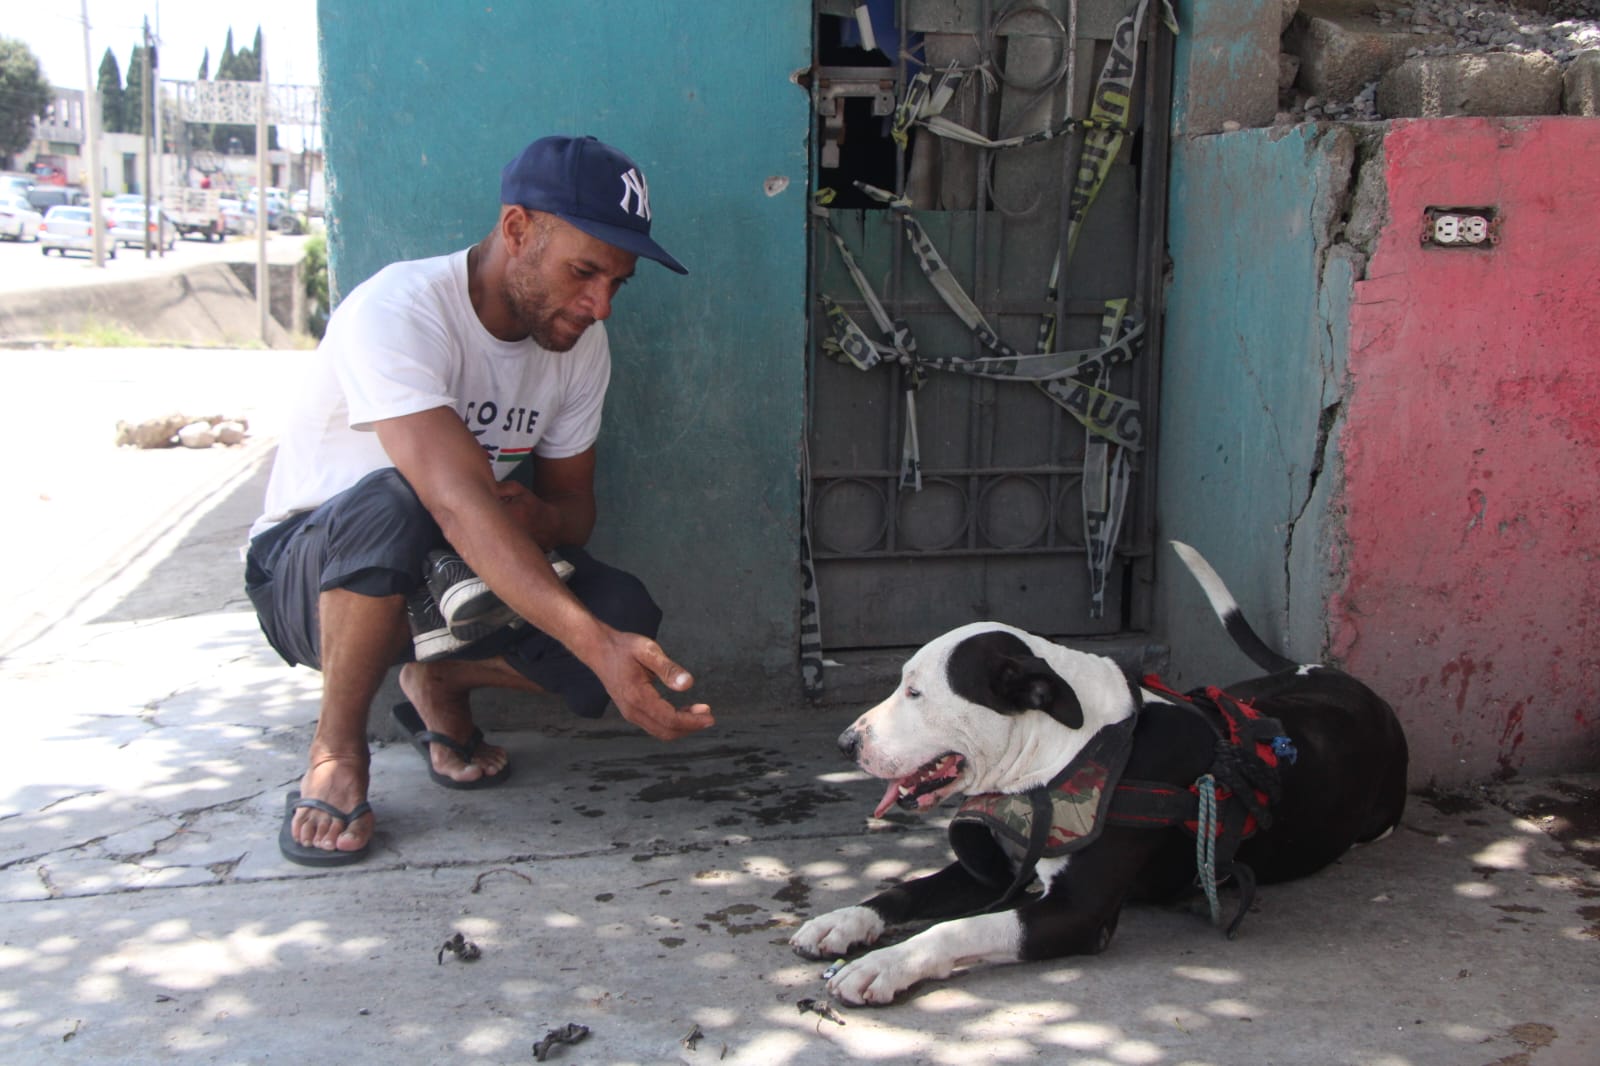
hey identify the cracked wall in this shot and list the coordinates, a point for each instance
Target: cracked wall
(1252, 387)
(1392, 453)
(1472, 453)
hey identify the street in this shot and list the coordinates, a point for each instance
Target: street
(23, 268)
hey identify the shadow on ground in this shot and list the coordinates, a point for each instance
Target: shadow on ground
(647, 891)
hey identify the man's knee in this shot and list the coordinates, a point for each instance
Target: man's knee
(378, 534)
(617, 598)
(370, 539)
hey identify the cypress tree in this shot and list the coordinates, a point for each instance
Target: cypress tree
(110, 88)
(133, 95)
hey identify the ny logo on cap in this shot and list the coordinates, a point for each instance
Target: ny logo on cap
(635, 189)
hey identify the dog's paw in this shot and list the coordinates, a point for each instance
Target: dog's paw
(830, 935)
(931, 955)
(876, 979)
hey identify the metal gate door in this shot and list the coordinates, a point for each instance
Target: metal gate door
(948, 481)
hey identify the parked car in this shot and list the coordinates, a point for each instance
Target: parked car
(44, 197)
(70, 229)
(129, 223)
(280, 216)
(15, 185)
(236, 217)
(18, 220)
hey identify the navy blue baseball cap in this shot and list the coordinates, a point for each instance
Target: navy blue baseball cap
(589, 185)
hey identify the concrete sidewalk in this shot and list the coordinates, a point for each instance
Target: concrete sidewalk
(647, 890)
(200, 294)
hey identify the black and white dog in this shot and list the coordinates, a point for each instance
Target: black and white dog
(1024, 727)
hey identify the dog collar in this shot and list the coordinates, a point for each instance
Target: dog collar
(999, 836)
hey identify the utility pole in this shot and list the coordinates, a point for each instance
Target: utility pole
(158, 185)
(91, 123)
(144, 129)
(263, 296)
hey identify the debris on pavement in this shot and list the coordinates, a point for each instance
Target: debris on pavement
(570, 1033)
(460, 947)
(189, 431)
(477, 885)
(820, 1007)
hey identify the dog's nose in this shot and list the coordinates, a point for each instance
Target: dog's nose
(850, 743)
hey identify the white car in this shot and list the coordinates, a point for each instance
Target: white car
(236, 218)
(18, 220)
(70, 229)
(129, 222)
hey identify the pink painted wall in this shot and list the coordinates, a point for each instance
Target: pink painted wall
(1471, 492)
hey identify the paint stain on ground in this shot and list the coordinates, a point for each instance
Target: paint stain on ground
(1451, 802)
(1569, 813)
(758, 791)
(742, 784)
(1533, 1036)
(622, 773)
(796, 893)
(728, 917)
(706, 788)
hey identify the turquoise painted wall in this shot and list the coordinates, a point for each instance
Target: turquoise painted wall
(1226, 64)
(1250, 394)
(699, 457)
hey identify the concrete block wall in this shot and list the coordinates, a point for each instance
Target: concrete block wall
(1389, 450)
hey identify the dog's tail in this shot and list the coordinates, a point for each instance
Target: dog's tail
(1227, 609)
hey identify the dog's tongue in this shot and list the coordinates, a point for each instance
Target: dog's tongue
(919, 791)
(891, 796)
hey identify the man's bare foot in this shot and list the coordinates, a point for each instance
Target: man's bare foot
(442, 705)
(340, 782)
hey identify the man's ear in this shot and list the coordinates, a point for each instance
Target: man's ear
(1028, 683)
(516, 228)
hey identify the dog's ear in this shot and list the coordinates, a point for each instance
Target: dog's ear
(998, 670)
(1028, 683)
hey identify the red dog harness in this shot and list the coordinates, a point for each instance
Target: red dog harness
(1001, 837)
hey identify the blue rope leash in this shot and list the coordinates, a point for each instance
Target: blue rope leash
(1205, 845)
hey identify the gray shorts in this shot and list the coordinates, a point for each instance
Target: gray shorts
(372, 539)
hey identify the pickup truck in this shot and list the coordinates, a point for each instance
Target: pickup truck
(195, 211)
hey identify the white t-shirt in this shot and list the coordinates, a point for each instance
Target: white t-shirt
(408, 340)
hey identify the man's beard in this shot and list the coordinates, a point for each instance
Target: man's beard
(528, 301)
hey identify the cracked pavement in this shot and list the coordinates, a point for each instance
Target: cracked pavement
(640, 889)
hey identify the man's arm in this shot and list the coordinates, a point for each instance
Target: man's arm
(560, 508)
(446, 467)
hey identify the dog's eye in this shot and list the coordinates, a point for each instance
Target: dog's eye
(913, 692)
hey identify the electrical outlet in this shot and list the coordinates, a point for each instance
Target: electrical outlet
(1474, 229)
(1460, 227)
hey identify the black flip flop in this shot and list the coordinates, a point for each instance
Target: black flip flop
(309, 855)
(421, 736)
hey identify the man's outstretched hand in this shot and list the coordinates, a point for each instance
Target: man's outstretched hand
(633, 665)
